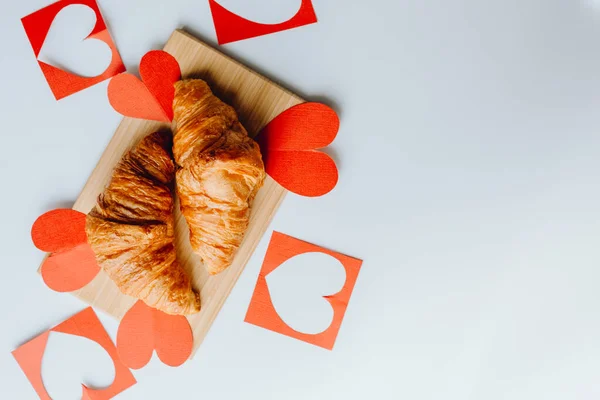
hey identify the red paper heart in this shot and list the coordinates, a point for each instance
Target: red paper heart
(288, 145)
(144, 329)
(152, 97)
(72, 264)
(71, 269)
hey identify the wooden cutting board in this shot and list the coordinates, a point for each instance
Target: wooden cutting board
(257, 101)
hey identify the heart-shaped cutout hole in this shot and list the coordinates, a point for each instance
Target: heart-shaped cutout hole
(151, 97)
(299, 289)
(256, 10)
(59, 230)
(323, 281)
(85, 362)
(232, 27)
(144, 329)
(68, 47)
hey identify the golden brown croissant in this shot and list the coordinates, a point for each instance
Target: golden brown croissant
(131, 229)
(221, 172)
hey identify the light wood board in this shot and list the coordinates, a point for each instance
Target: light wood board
(257, 101)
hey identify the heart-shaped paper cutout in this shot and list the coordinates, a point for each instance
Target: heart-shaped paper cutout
(300, 287)
(261, 311)
(151, 97)
(289, 146)
(71, 269)
(67, 45)
(144, 329)
(72, 264)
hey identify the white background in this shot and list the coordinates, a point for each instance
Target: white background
(469, 154)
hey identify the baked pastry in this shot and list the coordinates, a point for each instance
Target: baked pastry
(131, 229)
(221, 170)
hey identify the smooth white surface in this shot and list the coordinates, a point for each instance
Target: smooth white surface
(65, 47)
(470, 185)
(86, 363)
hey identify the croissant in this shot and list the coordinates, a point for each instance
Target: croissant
(221, 170)
(131, 229)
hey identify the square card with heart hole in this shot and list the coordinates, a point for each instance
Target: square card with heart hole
(257, 101)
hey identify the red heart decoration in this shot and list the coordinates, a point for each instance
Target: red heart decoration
(72, 264)
(70, 270)
(144, 329)
(59, 230)
(289, 146)
(152, 97)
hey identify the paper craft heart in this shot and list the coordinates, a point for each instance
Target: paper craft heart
(72, 264)
(300, 288)
(152, 97)
(289, 146)
(69, 50)
(63, 371)
(143, 330)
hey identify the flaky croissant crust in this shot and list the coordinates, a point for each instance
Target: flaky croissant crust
(131, 229)
(221, 171)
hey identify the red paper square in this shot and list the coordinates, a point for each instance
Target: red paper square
(87, 325)
(261, 311)
(231, 27)
(63, 83)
